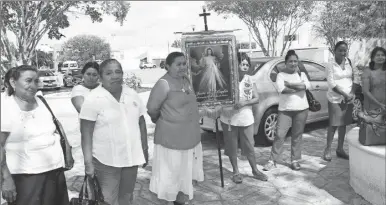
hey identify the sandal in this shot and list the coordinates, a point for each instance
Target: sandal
(237, 178)
(327, 155)
(260, 176)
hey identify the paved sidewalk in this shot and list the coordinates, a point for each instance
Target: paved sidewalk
(317, 183)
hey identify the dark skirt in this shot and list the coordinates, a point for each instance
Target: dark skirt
(48, 188)
(340, 114)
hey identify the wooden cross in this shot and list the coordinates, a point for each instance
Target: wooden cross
(204, 14)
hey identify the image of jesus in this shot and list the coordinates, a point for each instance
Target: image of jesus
(211, 76)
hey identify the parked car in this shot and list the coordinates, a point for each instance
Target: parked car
(72, 77)
(147, 65)
(68, 65)
(266, 112)
(48, 80)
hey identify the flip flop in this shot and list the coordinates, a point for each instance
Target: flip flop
(237, 178)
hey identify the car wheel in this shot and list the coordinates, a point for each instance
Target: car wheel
(357, 108)
(267, 128)
(154, 66)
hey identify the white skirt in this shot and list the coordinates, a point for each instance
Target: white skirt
(174, 171)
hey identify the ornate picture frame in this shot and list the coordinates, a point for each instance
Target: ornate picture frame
(212, 68)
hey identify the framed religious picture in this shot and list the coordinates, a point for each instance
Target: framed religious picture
(213, 70)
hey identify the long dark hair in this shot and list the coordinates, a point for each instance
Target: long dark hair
(373, 53)
(15, 73)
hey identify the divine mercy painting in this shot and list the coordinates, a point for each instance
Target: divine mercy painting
(211, 62)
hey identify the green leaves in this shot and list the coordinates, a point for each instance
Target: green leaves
(350, 21)
(82, 48)
(267, 19)
(29, 21)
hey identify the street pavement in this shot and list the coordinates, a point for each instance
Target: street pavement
(317, 183)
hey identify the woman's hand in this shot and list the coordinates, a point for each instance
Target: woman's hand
(349, 97)
(239, 105)
(89, 169)
(383, 107)
(287, 84)
(9, 190)
(146, 155)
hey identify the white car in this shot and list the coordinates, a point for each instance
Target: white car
(48, 80)
(266, 111)
(68, 65)
(149, 65)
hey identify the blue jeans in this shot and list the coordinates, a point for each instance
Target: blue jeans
(286, 119)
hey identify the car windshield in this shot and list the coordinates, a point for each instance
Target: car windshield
(45, 73)
(256, 65)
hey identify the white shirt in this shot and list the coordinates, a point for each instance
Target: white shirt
(116, 137)
(244, 116)
(80, 90)
(32, 146)
(343, 78)
(292, 101)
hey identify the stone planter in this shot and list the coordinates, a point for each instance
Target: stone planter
(367, 169)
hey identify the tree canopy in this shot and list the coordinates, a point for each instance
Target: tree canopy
(350, 21)
(267, 19)
(29, 21)
(85, 48)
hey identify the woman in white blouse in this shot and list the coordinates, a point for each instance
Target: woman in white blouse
(343, 80)
(293, 111)
(114, 136)
(90, 81)
(237, 123)
(30, 152)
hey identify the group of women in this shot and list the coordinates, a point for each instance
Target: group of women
(114, 135)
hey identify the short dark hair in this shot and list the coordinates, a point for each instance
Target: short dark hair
(339, 44)
(373, 53)
(171, 57)
(289, 54)
(88, 65)
(108, 62)
(15, 73)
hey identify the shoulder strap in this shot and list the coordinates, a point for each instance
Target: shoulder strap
(48, 107)
(349, 61)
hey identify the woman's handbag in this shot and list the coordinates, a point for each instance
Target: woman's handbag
(372, 128)
(84, 197)
(68, 159)
(314, 105)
